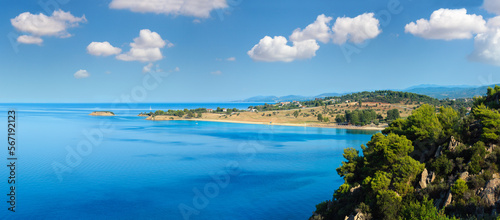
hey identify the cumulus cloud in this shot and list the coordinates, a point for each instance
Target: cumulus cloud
(492, 6)
(448, 24)
(38, 25)
(319, 30)
(145, 48)
(195, 8)
(27, 39)
(102, 49)
(487, 44)
(80, 74)
(276, 49)
(356, 30)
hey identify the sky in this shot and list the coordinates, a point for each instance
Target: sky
(224, 50)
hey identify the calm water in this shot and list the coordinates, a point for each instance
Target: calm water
(71, 166)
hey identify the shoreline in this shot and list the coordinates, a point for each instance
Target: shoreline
(349, 127)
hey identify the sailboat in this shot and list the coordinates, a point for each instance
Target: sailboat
(150, 108)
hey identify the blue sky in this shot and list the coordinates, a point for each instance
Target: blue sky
(195, 42)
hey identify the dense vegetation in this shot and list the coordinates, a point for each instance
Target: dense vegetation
(384, 96)
(387, 96)
(191, 113)
(436, 164)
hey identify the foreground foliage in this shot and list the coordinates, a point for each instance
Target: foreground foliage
(436, 164)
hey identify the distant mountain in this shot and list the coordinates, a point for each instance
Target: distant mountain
(422, 86)
(452, 92)
(432, 90)
(288, 98)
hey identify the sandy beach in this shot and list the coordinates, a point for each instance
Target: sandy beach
(305, 124)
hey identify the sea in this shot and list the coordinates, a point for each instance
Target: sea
(69, 165)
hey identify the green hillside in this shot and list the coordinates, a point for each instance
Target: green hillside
(435, 164)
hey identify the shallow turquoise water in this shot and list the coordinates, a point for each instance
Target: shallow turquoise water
(141, 169)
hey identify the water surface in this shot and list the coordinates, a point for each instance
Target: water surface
(141, 169)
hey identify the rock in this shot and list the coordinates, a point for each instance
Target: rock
(496, 176)
(423, 179)
(453, 144)
(354, 189)
(431, 177)
(448, 199)
(316, 217)
(358, 216)
(464, 175)
(488, 195)
(438, 152)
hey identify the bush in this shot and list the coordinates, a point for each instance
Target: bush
(459, 188)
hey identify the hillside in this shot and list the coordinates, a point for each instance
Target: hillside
(453, 92)
(434, 91)
(435, 164)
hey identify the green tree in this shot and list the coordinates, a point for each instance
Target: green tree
(320, 117)
(449, 120)
(388, 203)
(296, 114)
(381, 181)
(490, 119)
(392, 115)
(458, 189)
(347, 169)
(422, 211)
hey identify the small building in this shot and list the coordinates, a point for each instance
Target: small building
(224, 110)
(210, 110)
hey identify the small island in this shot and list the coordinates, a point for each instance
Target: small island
(102, 113)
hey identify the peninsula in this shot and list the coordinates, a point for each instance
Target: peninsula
(365, 110)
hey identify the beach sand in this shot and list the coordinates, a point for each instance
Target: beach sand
(277, 118)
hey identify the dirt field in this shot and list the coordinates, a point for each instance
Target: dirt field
(307, 116)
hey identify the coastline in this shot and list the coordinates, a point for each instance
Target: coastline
(316, 125)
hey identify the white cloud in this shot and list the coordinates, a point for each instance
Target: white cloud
(218, 72)
(487, 44)
(276, 49)
(196, 21)
(231, 59)
(357, 29)
(42, 25)
(27, 39)
(492, 6)
(102, 49)
(80, 74)
(448, 24)
(145, 48)
(319, 30)
(177, 69)
(195, 8)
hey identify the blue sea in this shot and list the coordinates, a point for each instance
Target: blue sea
(74, 166)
